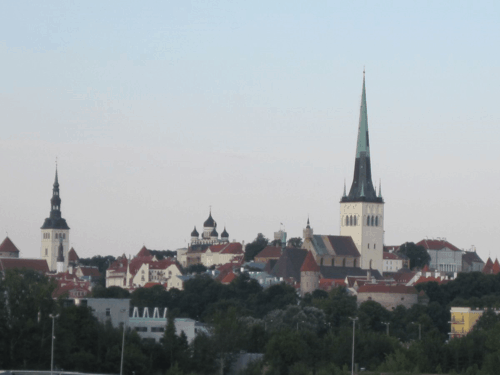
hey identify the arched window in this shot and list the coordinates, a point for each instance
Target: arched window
(354, 263)
(350, 221)
(374, 246)
(355, 221)
(343, 263)
(376, 221)
(370, 264)
(368, 245)
(46, 252)
(368, 220)
(373, 221)
(333, 262)
(347, 220)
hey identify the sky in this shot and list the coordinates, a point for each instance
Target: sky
(158, 110)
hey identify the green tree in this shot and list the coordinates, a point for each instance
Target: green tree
(295, 242)
(226, 331)
(111, 292)
(255, 247)
(417, 254)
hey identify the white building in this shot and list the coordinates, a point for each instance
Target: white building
(445, 257)
(392, 262)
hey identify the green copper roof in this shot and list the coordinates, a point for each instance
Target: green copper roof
(363, 141)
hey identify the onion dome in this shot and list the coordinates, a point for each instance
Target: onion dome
(214, 233)
(224, 234)
(210, 222)
(194, 233)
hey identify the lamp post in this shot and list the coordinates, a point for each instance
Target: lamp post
(353, 333)
(387, 325)
(419, 330)
(123, 343)
(52, 350)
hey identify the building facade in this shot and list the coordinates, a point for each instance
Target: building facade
(463, 320)
(445, 257)
(55, 230)
(362, 210)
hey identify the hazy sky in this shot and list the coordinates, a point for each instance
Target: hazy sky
(157, 110)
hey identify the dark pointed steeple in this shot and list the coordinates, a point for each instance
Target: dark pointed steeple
(362, 189)
(55, 221)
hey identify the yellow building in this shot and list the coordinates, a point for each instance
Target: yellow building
(463, 320)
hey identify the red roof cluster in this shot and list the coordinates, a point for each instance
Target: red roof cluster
(270, 252)
(228, 248)
(391, 256)
(229, 278)
(90, 271)
(424, 279)
(73, 256)
(491, 268)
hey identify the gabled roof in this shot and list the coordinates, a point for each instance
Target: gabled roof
(228, 278)
(424, 279)
(270, 252)
(471, 257)
(289, 264)
(143, 252)
(426, 268)
(90, 271)
(309, 264)
(233, 248)
(496, 267)
(17, 263)
(403, 277)
(488, 267)
(8, 246)
(73, 256)
(437, 245)
(394, 289)
(334, 245)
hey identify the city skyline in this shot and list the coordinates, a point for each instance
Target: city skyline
(250, 110)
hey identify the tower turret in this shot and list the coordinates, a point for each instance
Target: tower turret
(362, 211)
(54, 230)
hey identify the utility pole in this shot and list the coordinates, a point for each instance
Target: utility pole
(52, 351)
(353, 334)
(123, 343)
(387, 325)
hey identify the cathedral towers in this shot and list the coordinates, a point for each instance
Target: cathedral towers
(362, 210)
(55, 232)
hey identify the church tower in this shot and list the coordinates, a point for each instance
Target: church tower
(362, 211)
(55, 232)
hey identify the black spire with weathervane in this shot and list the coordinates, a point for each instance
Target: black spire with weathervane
(55, 221)
(362, 189)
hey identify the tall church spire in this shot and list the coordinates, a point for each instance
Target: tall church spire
(55, 220)
(362, 189)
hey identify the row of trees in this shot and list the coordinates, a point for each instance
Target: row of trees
(296, 336)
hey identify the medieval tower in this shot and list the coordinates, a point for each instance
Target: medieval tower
(362, 210)
(55, 232)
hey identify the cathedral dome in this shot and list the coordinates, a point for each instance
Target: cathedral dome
(224, 234)
(210, 222)
(214, 233)
(194, 233)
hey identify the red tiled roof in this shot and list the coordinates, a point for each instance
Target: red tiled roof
(426, 268)
(488, 267)
(216, 248)
(309, 264)
(270, 252)
(228, 278)
(496, 267)
(90, 271)
(8, 246)
(399, 289)
(33, 264)
(423, 279)
(73, 256)
(144, 252)
(150, 285)
(437, 245)
(391, 256)
(233, 248)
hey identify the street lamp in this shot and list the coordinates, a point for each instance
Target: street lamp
(387, 325)
(353, 332)
(53, 337)
(419, 330)
(123, 343)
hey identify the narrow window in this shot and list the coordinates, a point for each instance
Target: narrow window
(333, 262)
(375, 247)
(343, 263)
(355, 221)
(376, 221)
(108, 311)
(368, 220)
(368, 245)
(373, 222)
(321, 262)
(347, 220)
(354, 263)
(46, 252)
